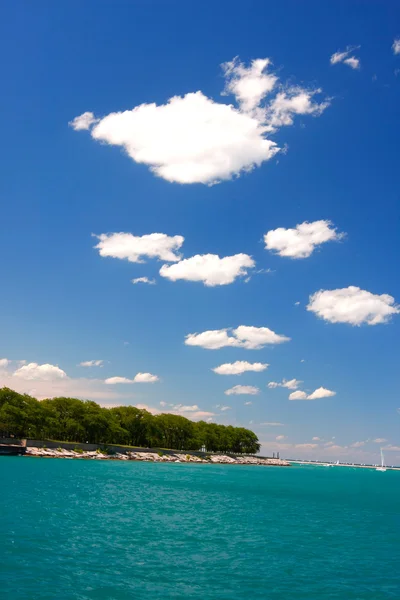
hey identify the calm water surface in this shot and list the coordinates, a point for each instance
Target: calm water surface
(85, 530)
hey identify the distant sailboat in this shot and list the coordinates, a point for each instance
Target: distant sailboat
(382, 467)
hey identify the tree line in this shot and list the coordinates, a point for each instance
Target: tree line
(74, 420)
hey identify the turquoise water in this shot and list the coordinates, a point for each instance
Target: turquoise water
(85, 530)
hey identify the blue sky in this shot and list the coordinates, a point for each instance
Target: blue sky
(219, 182)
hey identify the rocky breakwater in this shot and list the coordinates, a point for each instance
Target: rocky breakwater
(177, 457)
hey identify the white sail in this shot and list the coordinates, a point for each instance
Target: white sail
(382, 467)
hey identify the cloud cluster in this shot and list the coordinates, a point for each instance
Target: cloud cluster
(345, 58)
(315, 395)
(194, 139)
(209, 268)
(353, 305)
(301, 241)
(239, 367)
(251, 338)
(396, 46)
(139, 378)
(239, 390)
(135, 249)
(290, 384)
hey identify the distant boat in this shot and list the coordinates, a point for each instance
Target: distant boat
(337, 463)
(382, 467)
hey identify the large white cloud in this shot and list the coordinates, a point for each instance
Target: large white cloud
(353, 305)
(239, 367)
(290, 384)
(135, 248)
(209, 268)
(46, 372)
(251, 338)
(194, 139)
(139, 378)
(301, 241)
(250, 390)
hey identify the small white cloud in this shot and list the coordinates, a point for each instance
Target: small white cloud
(396, 46)
(248, 403)
(297, 303)
(4, 362)
(353, 63)
(162, 403)
(45, 372)
(290, 384)
(357, 445)
(392, 448)
(251, 338)
(209, 269)
(379, 441)
(144, 280)
(91, 363)
(269, 424)
(316, 439)
(145, 378)
(239, 367)
(321, 393)
(139, 378)
(353, 305)
(223, 407)
(279, 438)
(193, 139)
(299, 395)
(185, 408)
(115, 380)
(242, 389)
(249, 85)
(343, 57)
(301, 241)
(133, 248)
(84, 121)
(306, 446)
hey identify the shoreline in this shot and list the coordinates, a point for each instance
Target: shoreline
(351, 466)
(160, 457)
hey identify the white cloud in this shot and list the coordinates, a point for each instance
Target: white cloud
(315, 395)
(193, 139)
(353, 305)
(133, 248)
(321, 393)
(242, 389)
(379, 441)
(306, 446)
(162, 403)
(290, 384)
(272, 424)
(343, 57)
(139, 378)
(299, 395)
(249, 85)
(279, 438)
(4, 362)
(115, 380)
(251, 338)
(352, 62)
(357, 445)
(316, 439)
(392, 448)
(145, 378)
(396, 46)
(150, 409)
(91, 363)
(84, 121)
(301, 241)
(297, 303)
(209, 268)
(248, 403)
(45, 372)
(144, 280)
(185, 408)
(223, 407)
(239, 367)
(293, 101)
